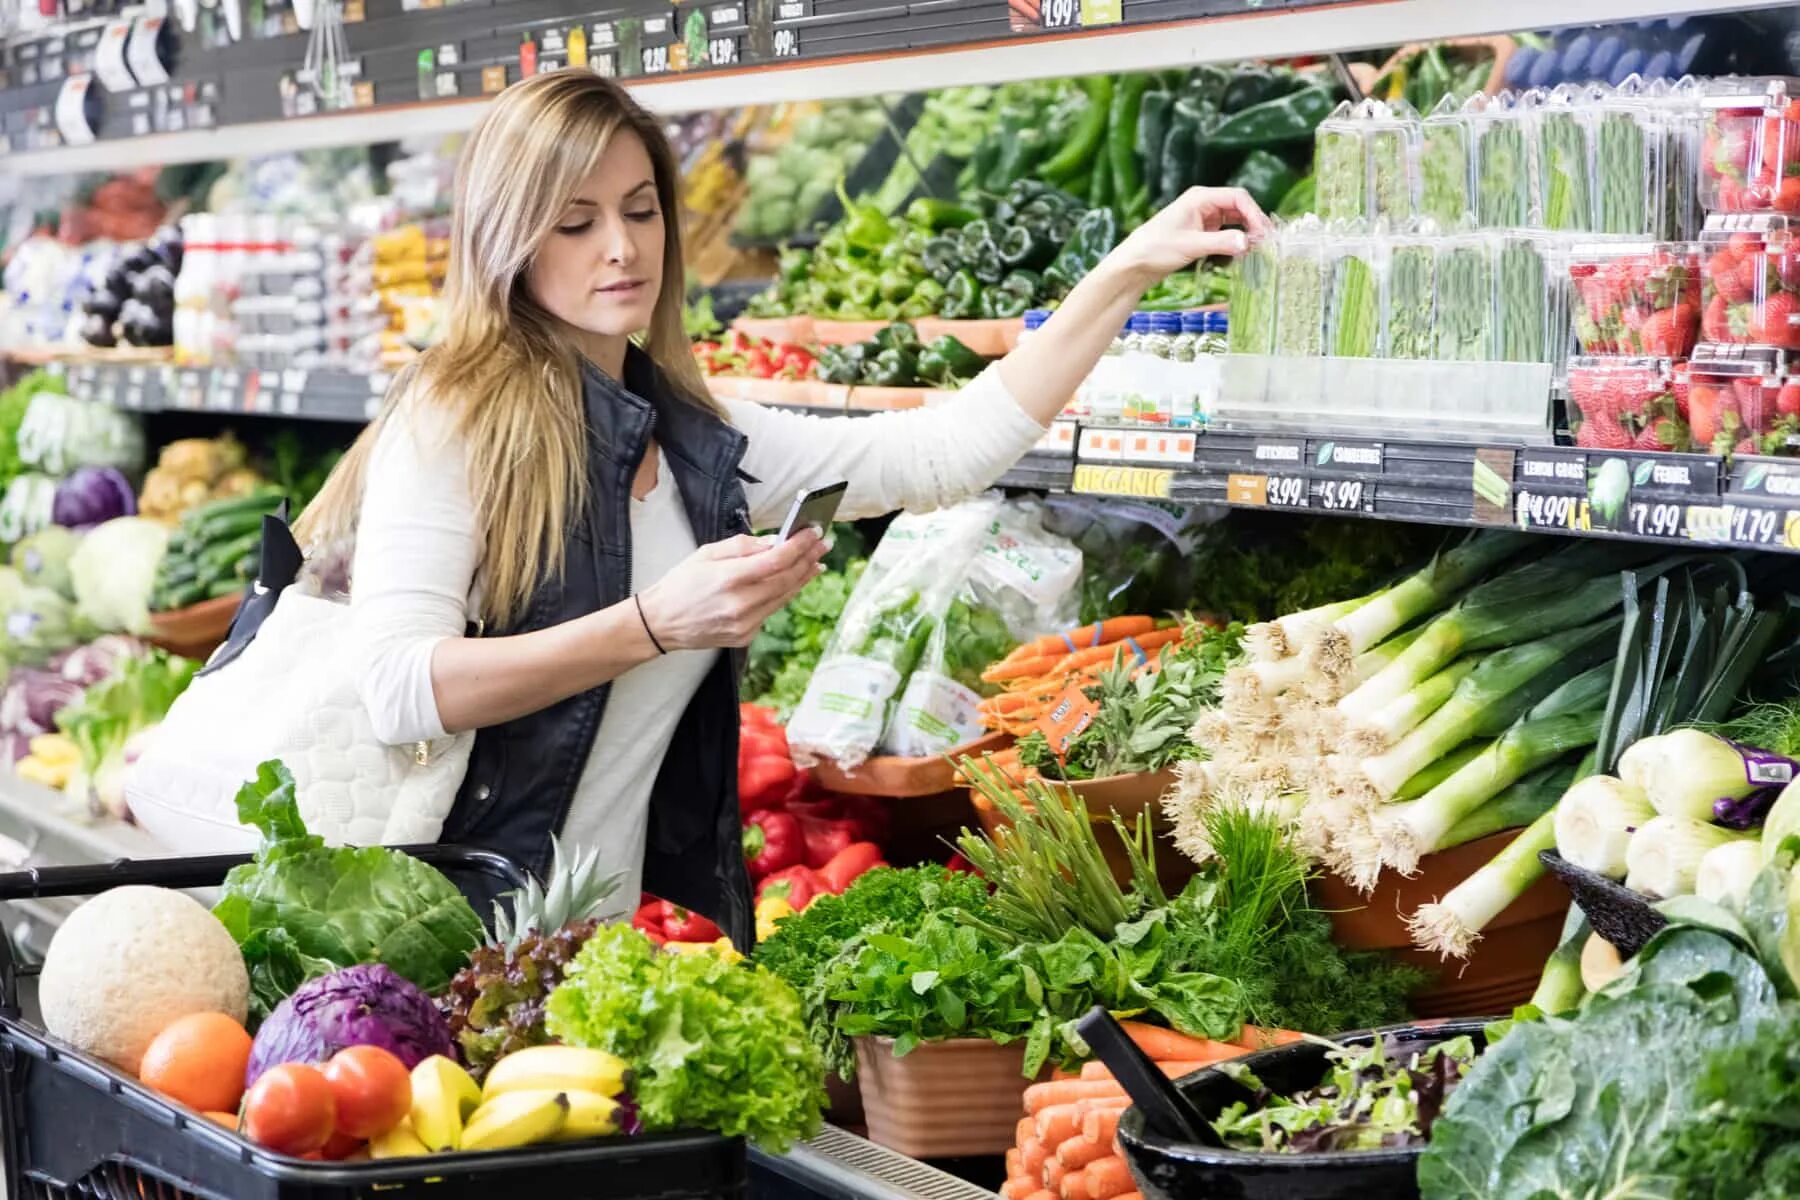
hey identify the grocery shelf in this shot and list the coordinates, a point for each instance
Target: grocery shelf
(948, 42)
(836, 1165)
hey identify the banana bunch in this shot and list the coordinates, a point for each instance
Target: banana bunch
(711, 181)
(542, 1094)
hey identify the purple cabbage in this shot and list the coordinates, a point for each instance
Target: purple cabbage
(89, 664)
(32, 699)
(91, 495)
(365, 1005)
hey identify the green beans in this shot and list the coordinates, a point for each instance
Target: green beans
(1521, 302)
(1503, 180)
(1253, 301)
(1623, 167)
(1355, 308)
(1464, 302)
(1412, 270)
(1563, 170)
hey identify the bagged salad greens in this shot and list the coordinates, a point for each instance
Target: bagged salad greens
(945, 594)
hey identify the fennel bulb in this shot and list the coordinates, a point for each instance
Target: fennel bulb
(1664, 855)
(1595, 820)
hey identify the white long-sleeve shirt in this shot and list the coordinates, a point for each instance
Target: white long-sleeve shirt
(418, 545)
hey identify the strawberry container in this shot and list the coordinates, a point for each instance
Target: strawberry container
(1750, 152)
(1744, 400)
(1636, 298)
(1628, 404)
(1750, 281)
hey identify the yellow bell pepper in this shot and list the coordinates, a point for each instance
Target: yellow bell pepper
(55, 748)
(723, 948)
(37, 770)
(769, 910)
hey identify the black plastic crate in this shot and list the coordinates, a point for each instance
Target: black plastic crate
(76, 1127)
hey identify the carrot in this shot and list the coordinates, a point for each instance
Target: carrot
(1040, 1096)
(1078, 1152)
(1031, 1156)
(1165, 1045)
(1043, 1194)
(1130, 649)
(1109, 1177)
(1010, 702)
(1074, 1186)
(1025, 668)
(1096, 1069)
(1057, 1124)
(1015, 1165)
(1054, 1174)
(1026, 1131)
(1100, 1125)
(1088, 635)
(1256, 1038)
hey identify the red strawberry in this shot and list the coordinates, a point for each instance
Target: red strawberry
(1731, 197)
(1722, 277)
(1787, 400)
(1715, 321)
(1745, 244)
(1774, 320)
(1703, 411)
(1787, 195)
(1669, 333)
(1751, 403)
(1731, 152)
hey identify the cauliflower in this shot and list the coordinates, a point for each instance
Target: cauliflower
(132, 960)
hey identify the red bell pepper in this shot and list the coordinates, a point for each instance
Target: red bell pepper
(757, 715)
(650, 919)
(960, 865)
(849, 863)
(764, 781)
(797, 885)
(686, 925)
(826, 839)
(758, 366)
(772, 842)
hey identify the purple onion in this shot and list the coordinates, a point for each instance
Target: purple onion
(32, 699)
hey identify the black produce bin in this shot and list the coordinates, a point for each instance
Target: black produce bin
(75, 1127)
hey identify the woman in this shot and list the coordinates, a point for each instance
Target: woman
(555, 469)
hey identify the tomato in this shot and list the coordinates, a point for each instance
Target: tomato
(340, 1147)
(371, 1089)
(290, 1110)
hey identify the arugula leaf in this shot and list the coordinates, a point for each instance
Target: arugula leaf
(1586, 1106)
(301, 905)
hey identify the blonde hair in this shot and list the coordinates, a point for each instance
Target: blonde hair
(505, 371)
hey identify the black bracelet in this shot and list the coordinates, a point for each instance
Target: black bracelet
(646, 620)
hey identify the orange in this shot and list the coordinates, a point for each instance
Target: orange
(228, 1119)
(199, 1060)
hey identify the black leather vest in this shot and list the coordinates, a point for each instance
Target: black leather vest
(522, 775)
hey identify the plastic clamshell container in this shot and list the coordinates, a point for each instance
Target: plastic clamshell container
(1411, 297)
(1750, 280)
(1340, 166)
(1353, 315)
(1628, 404)
(1682, 122)
(1391, 135)
(1504, 191)
(1253, 299)
(1529, 301)
(1446, 165)
(1377, 396)
(1630, 144)
(1750, 152)
(1464, 315)
(1562, 126)
(1301, 281)
(1635, 298)
(1745, 400)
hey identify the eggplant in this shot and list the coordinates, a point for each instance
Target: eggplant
(167, 245)
(102, 304)
(155, 286)
(97, 330)
(139, 260)
(117, 281)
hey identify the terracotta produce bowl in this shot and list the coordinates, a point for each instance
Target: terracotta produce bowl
(990, 339)
(793, 330)
(1503, 970)
(954, 1099)
(195, 631)
(887, 775)
(1126, 795)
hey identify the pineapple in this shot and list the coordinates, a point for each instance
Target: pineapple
(495, 1005)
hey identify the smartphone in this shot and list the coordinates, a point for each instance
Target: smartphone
(813, 510)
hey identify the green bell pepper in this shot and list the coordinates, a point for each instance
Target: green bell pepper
(1207, 84)
(1291, 118)
(962, 297)
(897, 366)
(981, 252)
(1011, 296)
(841, 364)
(887, 310)
(865, 227)
(1121, 136)
(1077, 153)
(1028, 245)
(898, 336)
(896, 285)
(943, 257)
(935, 215)
(1249, 86)
(1152, 131)
(923, 302)
(946, 361)
(1094, 237)
(861, 292)
(1266, 176)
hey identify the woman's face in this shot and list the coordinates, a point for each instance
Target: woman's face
(600, 270)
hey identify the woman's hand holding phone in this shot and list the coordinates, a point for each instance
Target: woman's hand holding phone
(720, 595)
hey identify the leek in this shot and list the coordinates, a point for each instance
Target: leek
(1595, 821)
(1536, 600)
(1516, 807)
(1684, 771)
(1664, 855)
(1323, 687)
(1267, 641)
(1256, 683)
(1425, 592)
(1379, 730)
(1493, 695)
(1442, 769)
(1416, 828)
(1452, 925)
(1726, 872)
(1561, 989)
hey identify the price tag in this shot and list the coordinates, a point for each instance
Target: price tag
(605, 64)
(1061, 14)
(1757, 527)
(1247, 489)
(791, 10)
(1535, 510)
(1657, 518)
(1147, 482)
(1342, 495)
(787, 43)
(1059, 439)
(728, 15)
(1287, 491)
(493, 79)
(1102, 445)
(601, 34)
(722, 51)
(655, 60)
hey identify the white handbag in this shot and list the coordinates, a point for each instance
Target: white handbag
(285, 688)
